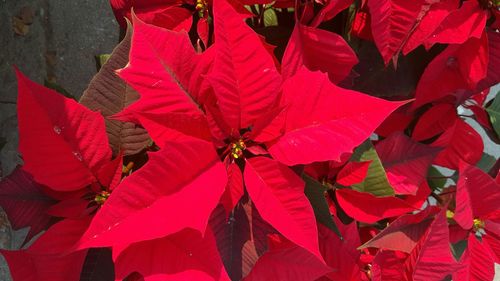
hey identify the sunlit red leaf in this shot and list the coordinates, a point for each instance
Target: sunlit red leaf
(287, 261)
(244, 76)
(322, 122)
(459, 67)
(318, 49)
(186, 255)
(278, 194)
(466, 22)
(63, 144)
(161, 196)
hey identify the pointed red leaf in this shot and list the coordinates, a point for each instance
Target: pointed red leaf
(466, 22)
(406, 162)
(24, 202)
(244, 76)
(460, 142)
(241, 237)
(388, 266)
(318, 49)
(147, 10)
(330, 10)
(63, 144)
(431, 259)
(353, 173)
(186, 255)
(392, 22)
(477, 260)
(434, 121)
(278, 194)
(160, 196)
(493, 72)
(340, 254)
(366, 207)
(287, 261)
(166, 79)
(48, 257)
(234, 188)
(458, 67)
(478, 195)
(432, 20)
(322, 122)
(403, 233)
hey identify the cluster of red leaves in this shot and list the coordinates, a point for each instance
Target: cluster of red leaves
(264, 168)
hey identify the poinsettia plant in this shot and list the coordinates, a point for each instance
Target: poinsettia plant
(257, 140)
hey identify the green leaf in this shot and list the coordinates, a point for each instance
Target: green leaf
(494, 112)
(486, 162)
(270, 18)
(376, 181)
(436, 179)
(101, 60)
(56, 87)
(315, 193)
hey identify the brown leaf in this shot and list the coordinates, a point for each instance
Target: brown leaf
(109, 94)
(20, 28)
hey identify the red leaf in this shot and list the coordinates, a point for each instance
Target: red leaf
(493, 73)
(396, 121)
(466, 22)
(24, 202)
(433, 19)
(478, 262)
(388, 266)
(166, 79)
(431, 259)
(318, 49)
(234, 188)
(63, 144)
(406, 162)
(392, 23)
(460, 142)
(458, 67)
(48, 257)
(330, 10)
(340, 254)
(365, 207)
(478, 195)
(353, 173)
(241, 238)
(322, 122)
(287, 261)
(147, 10)
(278, 194)
(244, 76)
(434, 121)
(404, 233)
(361, 25)
(186, 255)
(196, 181)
